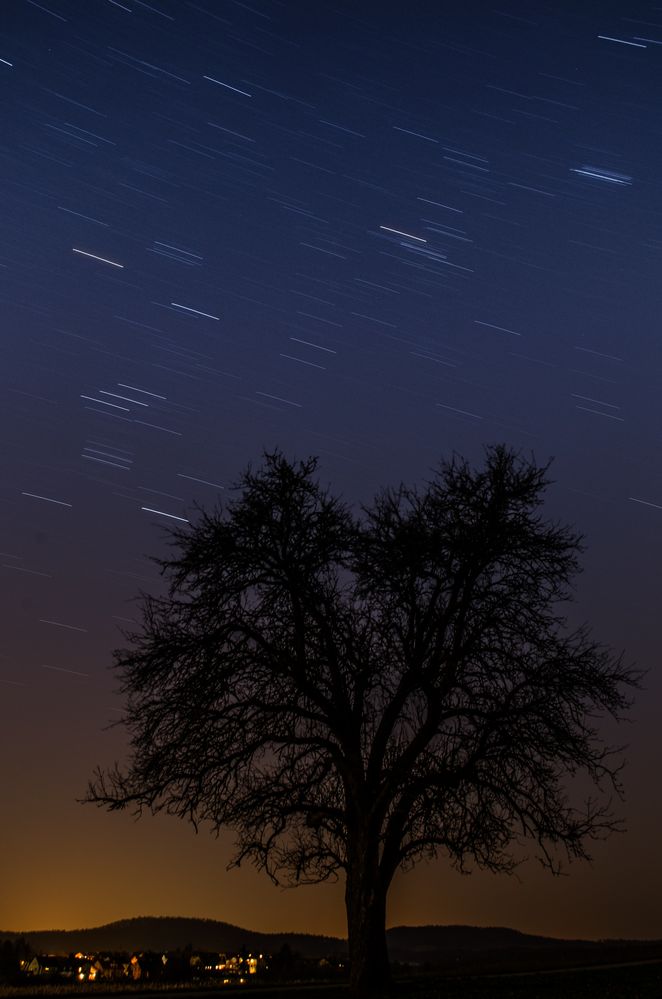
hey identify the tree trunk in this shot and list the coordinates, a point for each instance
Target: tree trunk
(365, 898)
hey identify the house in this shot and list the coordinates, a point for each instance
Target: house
(108, 967)
(53, 966)
(147, 966)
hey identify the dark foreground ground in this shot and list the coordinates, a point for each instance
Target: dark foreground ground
(633, 981)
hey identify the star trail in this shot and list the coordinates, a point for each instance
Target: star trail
(377, 233)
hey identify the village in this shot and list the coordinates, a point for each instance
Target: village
(183, 965)
(148, 966)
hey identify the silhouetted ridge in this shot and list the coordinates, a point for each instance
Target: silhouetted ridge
(465, 937)
(162, 933)
(432, 944)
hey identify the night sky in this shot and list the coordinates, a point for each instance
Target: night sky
(375, 232)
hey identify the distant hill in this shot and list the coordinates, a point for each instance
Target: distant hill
(483, 949)
(477, 947)
(161, 933)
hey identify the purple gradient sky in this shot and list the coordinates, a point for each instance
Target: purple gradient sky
(240, 168)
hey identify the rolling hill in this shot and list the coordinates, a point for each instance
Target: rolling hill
(446, 946)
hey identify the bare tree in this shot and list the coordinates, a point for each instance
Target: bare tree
(351, 694)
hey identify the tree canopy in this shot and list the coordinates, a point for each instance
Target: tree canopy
(352, 691)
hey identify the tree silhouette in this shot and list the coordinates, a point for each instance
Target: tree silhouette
(351, 693)
(12, 953)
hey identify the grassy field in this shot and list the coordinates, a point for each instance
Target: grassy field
(634, 981)
(639, 981)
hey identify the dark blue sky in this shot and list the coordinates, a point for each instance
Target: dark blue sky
(379, 233)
